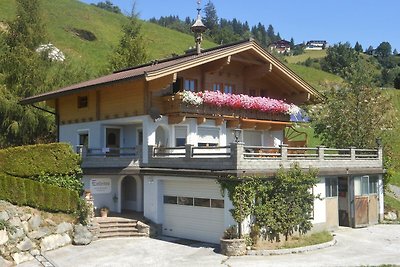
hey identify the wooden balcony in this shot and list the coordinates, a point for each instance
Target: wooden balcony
(237, 156)
(174, 105)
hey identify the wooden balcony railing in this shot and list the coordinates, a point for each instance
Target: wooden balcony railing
(174, 105)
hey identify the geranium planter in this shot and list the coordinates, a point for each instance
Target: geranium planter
(233, 247)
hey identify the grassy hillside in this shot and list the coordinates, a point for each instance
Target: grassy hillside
(307, 54)
(64, 17)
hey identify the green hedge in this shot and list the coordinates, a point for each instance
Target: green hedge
(34, 160)
(37, 195)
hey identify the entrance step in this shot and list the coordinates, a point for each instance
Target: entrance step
(120, 227)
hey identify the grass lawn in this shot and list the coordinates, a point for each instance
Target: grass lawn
(296, 241)
(307, 54)
(392, 203)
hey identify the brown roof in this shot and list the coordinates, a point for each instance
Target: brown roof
(145, 71)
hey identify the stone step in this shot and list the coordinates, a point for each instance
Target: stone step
(113, 224)
(121, 234)
(119, 229)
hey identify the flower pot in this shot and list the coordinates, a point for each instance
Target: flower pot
(233, 247)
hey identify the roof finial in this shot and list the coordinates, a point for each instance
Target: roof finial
(198, 28)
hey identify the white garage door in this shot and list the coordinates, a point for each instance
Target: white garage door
(193, 210)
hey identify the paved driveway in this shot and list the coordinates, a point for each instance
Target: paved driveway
(375, 245)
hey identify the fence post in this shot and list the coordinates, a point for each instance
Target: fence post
(353, 153)
(188, 151)
(321, 152)
(284, 152)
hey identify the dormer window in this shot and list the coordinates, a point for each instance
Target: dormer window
(190, 85)
(82, 101)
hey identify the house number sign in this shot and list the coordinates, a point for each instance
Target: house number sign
(100, 186)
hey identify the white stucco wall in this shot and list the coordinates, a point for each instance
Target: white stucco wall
(319, 204)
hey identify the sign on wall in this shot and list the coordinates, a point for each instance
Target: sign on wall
(100, 186)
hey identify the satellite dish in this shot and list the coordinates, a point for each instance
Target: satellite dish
(154, 113)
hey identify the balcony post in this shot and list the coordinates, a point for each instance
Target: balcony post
(380, 153)
(150, 152)
(188, 151)
(321, 152)
(284, 152)
(353, 153)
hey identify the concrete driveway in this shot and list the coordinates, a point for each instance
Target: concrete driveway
(374, 245)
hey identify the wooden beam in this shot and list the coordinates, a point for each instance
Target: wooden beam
(253, 73)
(263, 126)
(216, 65)
(232, 124)
(176, 119)
(247, 60)
(247, 124)
(201, 120)
(219, 121)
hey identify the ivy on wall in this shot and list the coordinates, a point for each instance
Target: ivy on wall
(279, 205)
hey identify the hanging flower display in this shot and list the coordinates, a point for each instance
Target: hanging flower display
(219, 99)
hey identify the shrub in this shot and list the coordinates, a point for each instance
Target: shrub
(37, 195)
(34, 160)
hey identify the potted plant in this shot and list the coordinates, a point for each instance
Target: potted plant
(231, 243)
(104, 211)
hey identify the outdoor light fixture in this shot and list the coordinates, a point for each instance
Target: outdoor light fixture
(378, 141)
(236, 133)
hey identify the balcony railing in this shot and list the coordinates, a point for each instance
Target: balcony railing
(173, 105)
(109, 157)
(237, 156)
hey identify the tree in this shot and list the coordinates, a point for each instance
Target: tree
(384, 50)
(210, 18)
(353, 114)
(340, 59)
(109, 6)
(131, 50)
(370, 50)
(397, 81)
(358, 47)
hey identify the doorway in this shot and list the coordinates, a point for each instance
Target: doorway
(343, 199)
(129, 193)
(113, 137)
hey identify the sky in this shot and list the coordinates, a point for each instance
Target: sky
(369, 22)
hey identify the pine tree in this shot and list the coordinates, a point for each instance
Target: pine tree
(358, 47)
(210, 18)
(131, 50)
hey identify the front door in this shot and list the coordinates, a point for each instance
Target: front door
(129, 193)
(113, 141)
(361, 201)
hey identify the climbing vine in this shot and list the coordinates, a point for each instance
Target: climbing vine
(279, 205)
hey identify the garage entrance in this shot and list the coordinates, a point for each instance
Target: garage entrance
(193, 210)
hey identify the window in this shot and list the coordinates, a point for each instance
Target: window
(217, 87)
(228, 89)
(373, 184)
(361, 186)
(208, 136)
(187, 201)
(170, 200)
(202, 202)
(252, 92)
(331, 187)
(217, 203)
(190, 85)
(180, 135)
(140, 137)
(263, 93)
(84, 139)
(82, 101)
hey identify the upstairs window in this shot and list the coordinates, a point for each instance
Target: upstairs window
(217, 87)
(263, 93)
(229, 88)
(82, 101)
(190, 85)
(252, 92)
(180, 135)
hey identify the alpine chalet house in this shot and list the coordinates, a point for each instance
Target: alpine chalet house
(155, 138)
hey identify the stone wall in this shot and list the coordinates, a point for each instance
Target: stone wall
(24, 235)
